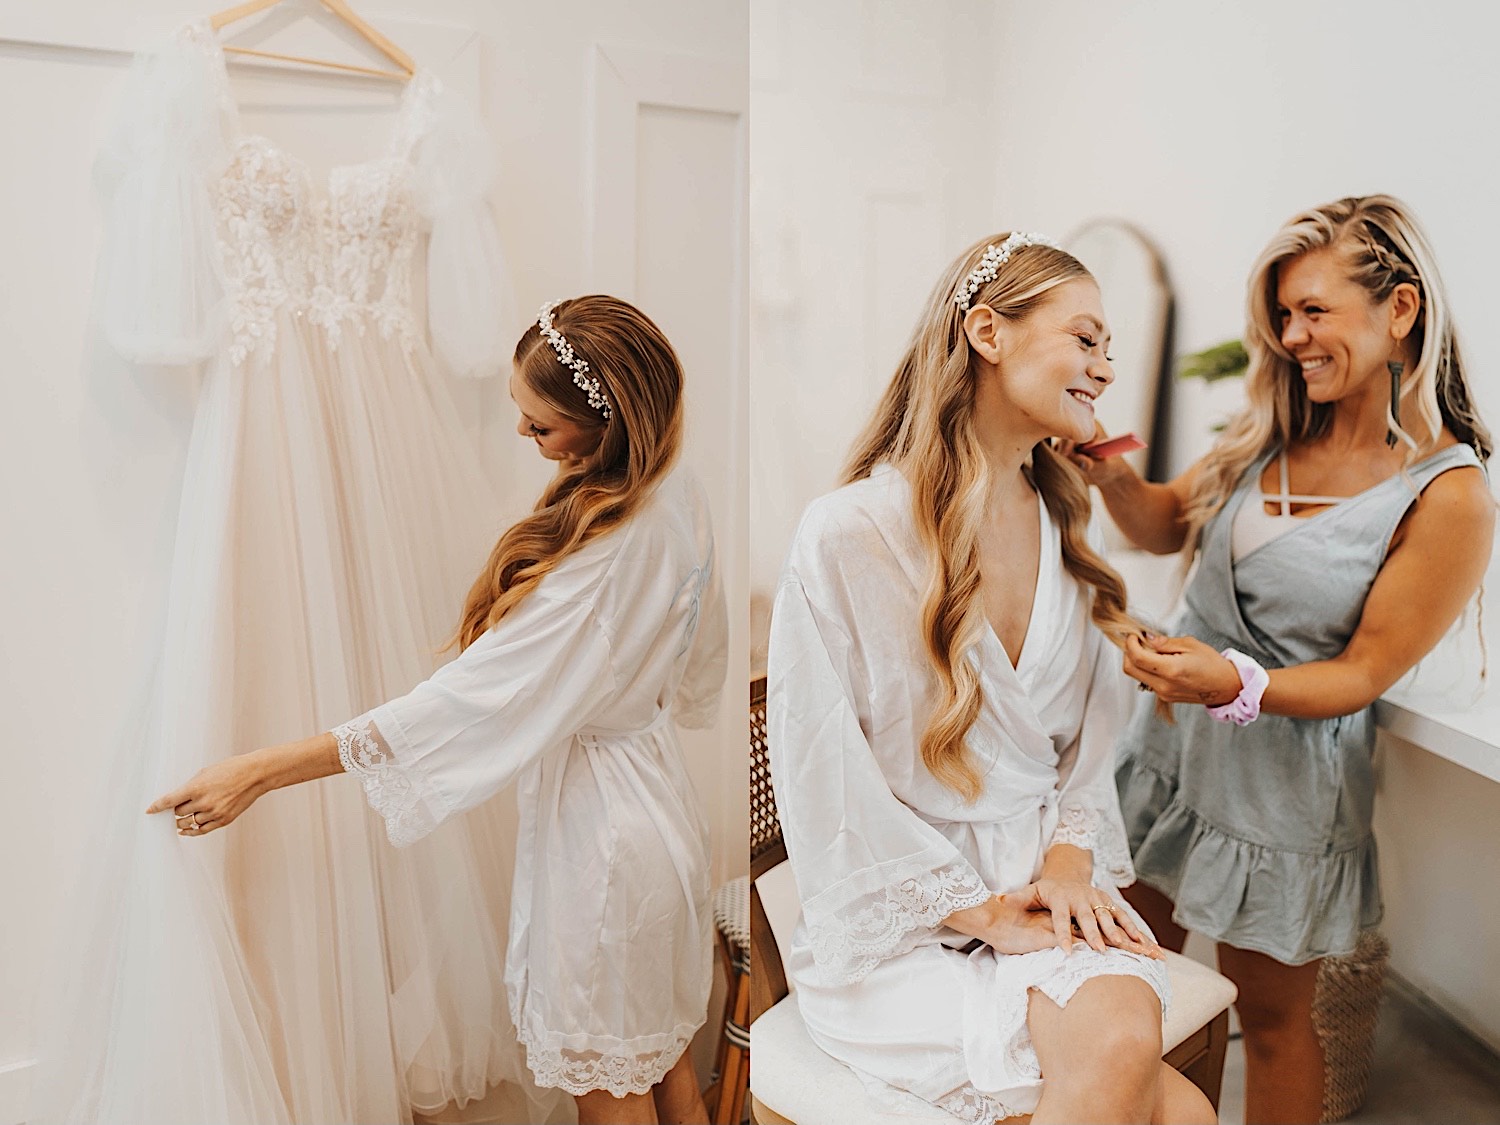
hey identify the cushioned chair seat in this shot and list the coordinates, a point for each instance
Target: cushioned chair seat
(795, 1081)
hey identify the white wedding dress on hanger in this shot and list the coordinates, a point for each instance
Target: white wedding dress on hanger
(294, 967)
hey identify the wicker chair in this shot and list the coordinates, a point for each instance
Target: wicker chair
(792, 1081)
(731, 1081)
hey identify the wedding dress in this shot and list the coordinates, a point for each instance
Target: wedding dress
(294, 967)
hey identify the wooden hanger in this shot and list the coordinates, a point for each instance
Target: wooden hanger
(345, 13)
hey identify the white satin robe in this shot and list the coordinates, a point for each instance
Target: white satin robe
(572, 696)
(882, 852)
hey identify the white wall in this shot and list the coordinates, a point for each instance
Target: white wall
(870, 169)
(591, 103)
(1211, 124)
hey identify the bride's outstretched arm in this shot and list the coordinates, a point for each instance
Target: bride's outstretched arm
(219, 793)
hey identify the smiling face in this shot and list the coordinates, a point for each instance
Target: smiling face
(557, 438)
(1337, 336)
(1055, 364)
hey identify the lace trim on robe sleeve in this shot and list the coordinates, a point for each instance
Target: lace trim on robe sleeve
(849, 942)
(391, 788)
(1099, 831)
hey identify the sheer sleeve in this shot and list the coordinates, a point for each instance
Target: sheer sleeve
(518, 692)
(471, 307)
(1088, 802)
(162, 295)
(697, 703)
(874, 878)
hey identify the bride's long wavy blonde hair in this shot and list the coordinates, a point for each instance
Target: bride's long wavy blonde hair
(642, 379)
(924, 425)
(1382, 246)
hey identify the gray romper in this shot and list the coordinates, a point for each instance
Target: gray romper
(1261, 835)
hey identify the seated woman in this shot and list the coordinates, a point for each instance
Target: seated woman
(943, 703)
(1340, 525)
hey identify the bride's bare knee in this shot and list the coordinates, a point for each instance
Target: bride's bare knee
(1125, 1057)
(1101, 1054)
(1122, 1017)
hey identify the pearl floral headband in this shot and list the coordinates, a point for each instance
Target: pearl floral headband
(996, 256)
(588, 384)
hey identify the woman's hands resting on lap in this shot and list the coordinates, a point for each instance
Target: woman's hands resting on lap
(1010, 923)
(1041, 915)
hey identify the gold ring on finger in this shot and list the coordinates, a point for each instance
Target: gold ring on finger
(1110, 910)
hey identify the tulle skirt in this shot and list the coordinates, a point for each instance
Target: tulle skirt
(294, 967)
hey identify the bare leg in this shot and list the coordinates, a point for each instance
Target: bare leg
(1101, 1055)
(600, 1107)
(1181, 1103)
(1283, 1057)
(1156, 909)
(678, 1099)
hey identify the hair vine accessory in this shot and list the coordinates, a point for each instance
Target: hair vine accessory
(995, 256)
(588, 384)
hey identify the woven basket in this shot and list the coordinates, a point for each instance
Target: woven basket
(1346, 1006)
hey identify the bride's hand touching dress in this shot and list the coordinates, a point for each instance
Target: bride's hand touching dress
(217, 794)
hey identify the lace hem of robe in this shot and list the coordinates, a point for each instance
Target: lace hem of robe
(965, 1103)
(1096, 831)
(849, 943)
(619, 1066)
(969, 1105)
(389, 786)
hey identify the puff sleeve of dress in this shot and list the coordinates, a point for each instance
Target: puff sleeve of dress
(522, 689)
(471, 307)
(1087, 802)
(873, 876)
(161, 289)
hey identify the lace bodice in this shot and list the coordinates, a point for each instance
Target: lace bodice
(338, 253)
(224, 232)
(340, 256)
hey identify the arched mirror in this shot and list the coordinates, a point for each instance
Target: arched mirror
(1138, 302)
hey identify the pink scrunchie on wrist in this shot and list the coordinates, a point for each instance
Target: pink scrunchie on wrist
(1244, 708)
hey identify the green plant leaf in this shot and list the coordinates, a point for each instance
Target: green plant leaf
(1228, 360)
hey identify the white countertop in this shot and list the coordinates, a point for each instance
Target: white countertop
(1468, 738)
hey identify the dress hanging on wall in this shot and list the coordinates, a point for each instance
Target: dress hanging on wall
(294, 968)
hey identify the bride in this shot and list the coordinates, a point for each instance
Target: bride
(943, 703)
(597, 621)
